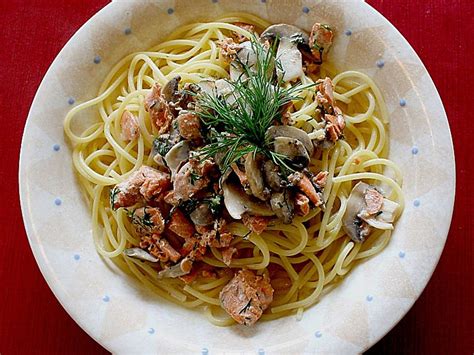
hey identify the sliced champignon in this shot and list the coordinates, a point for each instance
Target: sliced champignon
(219, 88)
(247, 56)
(291, 60)
(271, 172)
(255, 177)
(293, 149)
(170, 90)
(181, 269)
(367, 208)
(284, 30)
(282, 206)
(176, 156)
(238, 202)
(138, 253)
(202, 215)
(291, 132)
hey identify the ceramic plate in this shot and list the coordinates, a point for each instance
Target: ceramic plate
(125, 318)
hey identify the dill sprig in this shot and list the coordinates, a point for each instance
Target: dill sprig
(240, 127)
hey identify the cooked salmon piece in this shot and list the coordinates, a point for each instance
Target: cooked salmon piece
(188, 182)
(244, 181)
(158, 108)
(256, 224)
(373, 200)
(189, 126)
(301, 204)
(160, 248)
(320, 40)
(301, 181)
(180, 224)
(146, 183)
(246, 296)
(321, 178)
(228, 48)
(130, 127)
(227, 254)
(147, 220)
(246, 26)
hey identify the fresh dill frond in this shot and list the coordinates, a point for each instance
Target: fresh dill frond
(240, 127)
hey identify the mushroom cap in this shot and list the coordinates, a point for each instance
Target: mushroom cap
(238, 202)
(138, 253)
(284, 30)
(178, 154)
(293, 149)
(292, 132)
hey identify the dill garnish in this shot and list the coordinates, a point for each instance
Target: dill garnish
(241, 127)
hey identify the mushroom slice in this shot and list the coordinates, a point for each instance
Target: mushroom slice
(282, 206)
(238, 202)
(178, 154)
(255, 177)
(170, 90)
(245, 55)
(181, 269)
(284, 30)
(293, 149)
(202, 215)
(290, 59)
(357, 220)
(220, 87)
(292, 132)
(272, 176)
(140, 254)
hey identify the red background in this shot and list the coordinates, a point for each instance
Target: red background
(32, 33)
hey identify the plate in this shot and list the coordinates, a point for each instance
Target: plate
(121, 315)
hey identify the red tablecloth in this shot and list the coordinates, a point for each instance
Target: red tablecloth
(32, 33)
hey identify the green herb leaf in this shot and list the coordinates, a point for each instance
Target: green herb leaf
(241, 128)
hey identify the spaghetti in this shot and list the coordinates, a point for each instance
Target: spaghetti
(305, 258)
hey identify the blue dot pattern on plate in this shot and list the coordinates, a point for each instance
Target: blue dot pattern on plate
(58, 202)
(264, 1)
(369, 298)
(403, 102)
(348, 32)
(56, 147)
(71, 101)
(77, 256)
(318, 334)
(416, 203)
(261, 352)
(170, 11)
(414, 150)
(151, 331)
(215, 1)
(401, 254)
(305, 9)
(380, 63)
(106, 298)
(204, 351)
(127, 31)
(97, 59)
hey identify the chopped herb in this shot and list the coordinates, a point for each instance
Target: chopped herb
(194, 177)
(162, 145)
(215, 204)
(113, 195)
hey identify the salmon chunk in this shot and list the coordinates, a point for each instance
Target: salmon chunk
(130, 128)
(159, 109)
(181, 225)
(256, 224)
(189, 126)
(246, 296)
(146, 183)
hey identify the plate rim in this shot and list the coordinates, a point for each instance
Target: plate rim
(27, 217)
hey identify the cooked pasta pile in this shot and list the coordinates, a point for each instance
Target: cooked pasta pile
(307, 257)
